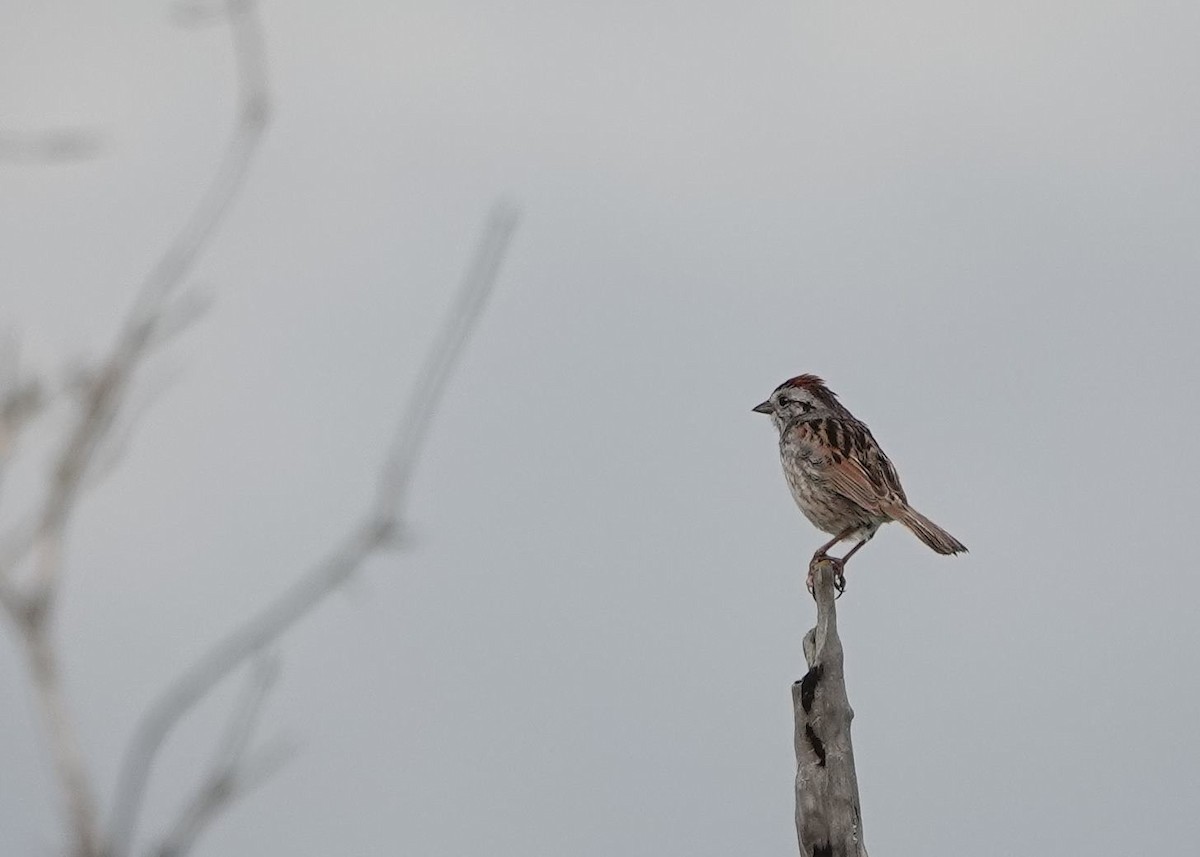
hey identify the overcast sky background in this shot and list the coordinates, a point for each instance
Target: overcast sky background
(976, 220)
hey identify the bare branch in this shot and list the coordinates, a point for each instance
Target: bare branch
(195, 13)
(69, 764)
(372, 533)
(440, 363)
(108, 455)
(231, 772)
(264, 674)
(179, 315)
(58, 145)
(828, 814)
(21, 400)
(101, 402)
(222, 794)
(253, 112)
(15, 545)
(105, 394)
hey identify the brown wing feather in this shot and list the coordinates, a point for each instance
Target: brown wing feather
(853, 463)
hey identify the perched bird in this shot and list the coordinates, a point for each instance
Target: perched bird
(839, 477)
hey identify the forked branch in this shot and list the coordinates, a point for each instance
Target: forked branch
(235, 770)
(376, 530)
(102, 396)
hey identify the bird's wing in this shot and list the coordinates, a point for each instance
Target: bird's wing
(850, 458)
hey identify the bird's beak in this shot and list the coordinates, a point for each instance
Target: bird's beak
(765, 408)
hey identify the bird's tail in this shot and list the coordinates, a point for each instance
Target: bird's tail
(930, 533)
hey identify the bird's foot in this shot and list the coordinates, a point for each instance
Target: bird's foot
(839, 574)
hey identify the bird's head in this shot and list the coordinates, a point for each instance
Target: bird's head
(801, 396)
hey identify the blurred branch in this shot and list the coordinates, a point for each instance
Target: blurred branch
(232, 773)
(108, 455)
(21, 400)
(431, 384)
(104, 391)
(376, 530)
(61, 145)
(828, 813)
(253, 113)
(69, 763)
(220, 793)
(102, 397)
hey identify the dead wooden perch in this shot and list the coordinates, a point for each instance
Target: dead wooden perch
(828, 815)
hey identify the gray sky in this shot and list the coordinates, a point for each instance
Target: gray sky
(976, 220)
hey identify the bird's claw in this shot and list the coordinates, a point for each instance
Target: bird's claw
(839, 575)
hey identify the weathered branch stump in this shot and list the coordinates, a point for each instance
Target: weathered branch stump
(828, 814)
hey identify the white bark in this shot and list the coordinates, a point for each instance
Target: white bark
(828, 814)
